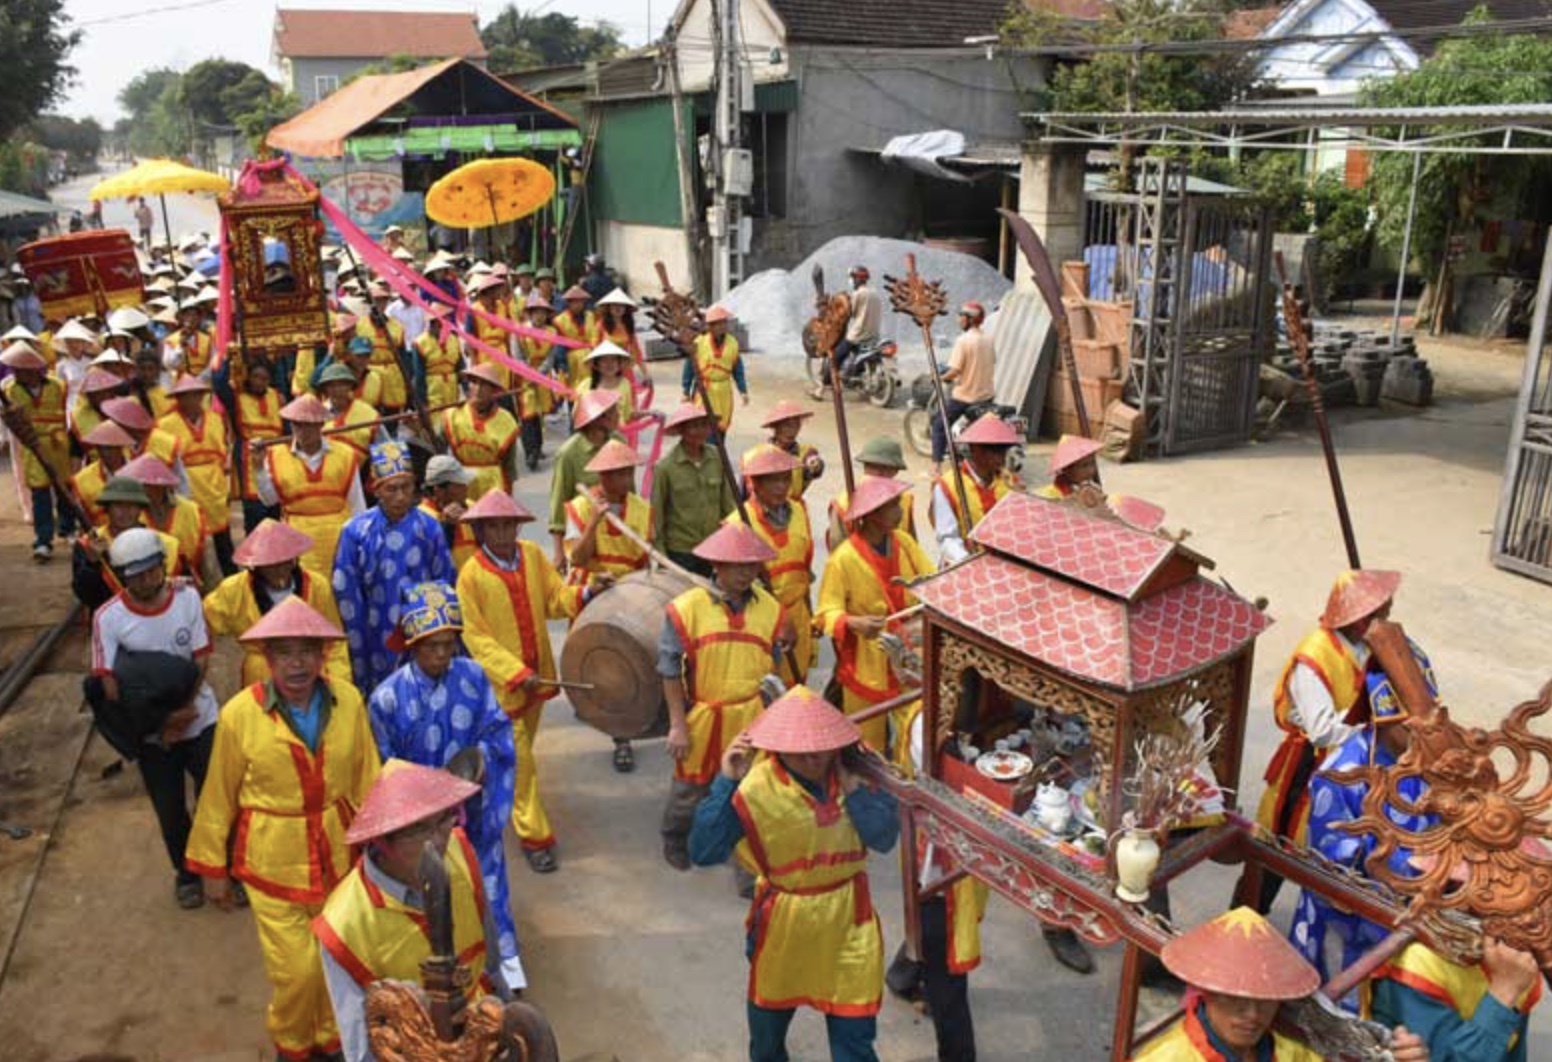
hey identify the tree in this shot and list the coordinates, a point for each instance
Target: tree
(34, 43)
(203, 86)
(158, 120)
(1485, 69)
(517, 40)
(80, 139)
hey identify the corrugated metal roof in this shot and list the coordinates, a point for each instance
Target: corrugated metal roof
(1026, 350)
(1465, 114)
(13, 204)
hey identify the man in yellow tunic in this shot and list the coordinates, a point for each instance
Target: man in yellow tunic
(577, 322)
(879, 456)
(716, 359)
(41, 398)
(342, 329)
(255, 418)
(446, 487)
(800, 818)
(509, 589)
(860, 589)
(784, 422)
(202, 441)
(373, 926)
(986, 483)
(536, 401)
(112, 445)
(387, 338)
(189, 348)
(716, 646)
(270, 556)
(175, 515)
(338, 385)
(485, 291)
(1073, 464)
(441, 353)
(316, 484)
(293, 760)
(130, 415)
(482, 435)
(781, 521)
(1240, 971)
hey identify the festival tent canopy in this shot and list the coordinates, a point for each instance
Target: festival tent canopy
(453, 105)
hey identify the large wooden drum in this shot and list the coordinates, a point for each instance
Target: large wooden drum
(613, 646)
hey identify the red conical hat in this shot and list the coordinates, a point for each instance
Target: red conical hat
(305, 409)
(487, 373)
(612, 456)
(1071, 449)
(272, 542)
(128, 413)
(593, 405)
(683, 415)
(149, 471)
(404, 794)
(496, 505)
(108, 434)
(990, 430)
(535, 301)
(343, 322)
(801, 721)
(98, 380)
(874, 492)
(768, 460)
(734, 544)
(718, 313)
(1239, 953)
(188, 385)
(786, 409)
(575, 292)
(20, 356)
(292, 618)
(1358, 593)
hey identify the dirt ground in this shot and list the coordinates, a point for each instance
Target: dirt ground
(632, 959)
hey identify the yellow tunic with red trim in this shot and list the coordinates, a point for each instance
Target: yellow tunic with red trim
(581, 329)
(88, 483)
(195, 354)
(205, 455)
(1186, 1041)
(46, 411)
(964, 901)
(162, 446)
(83, 418)
(800, 478)
(315, 503)
(231, 609)
(386, 341)
(811, 899)
(726, 654)
(621, 337)
(792, 577)
(621, 387)
(161, 402)
(715, 363)
(284, 809)
(859, 582)
(492, 335)
(359, 440)
(375, 937)
(1461, 988)
(504, 616)
(184, 522)
(441, 360)
(613, 553)
(1284, 801)
(463, 545)
(980, 497)
(482, 445)
(369, 388)
(534, 401)
(258, 418)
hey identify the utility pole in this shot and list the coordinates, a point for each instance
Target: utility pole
(727, 166)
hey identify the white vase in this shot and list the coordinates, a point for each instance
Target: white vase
(1136, 858)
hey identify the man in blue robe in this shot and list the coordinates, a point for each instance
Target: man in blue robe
(437, 704)
(391, 545)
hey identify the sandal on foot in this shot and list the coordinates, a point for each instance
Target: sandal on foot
(542, 860)
(624, 758)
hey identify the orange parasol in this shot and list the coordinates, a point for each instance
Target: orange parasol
(490, 192)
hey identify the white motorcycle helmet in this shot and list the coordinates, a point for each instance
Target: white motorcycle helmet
(134, 551)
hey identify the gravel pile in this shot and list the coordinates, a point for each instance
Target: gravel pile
(775, 304)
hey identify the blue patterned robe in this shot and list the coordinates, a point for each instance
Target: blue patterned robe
(374, 561)
(428, 721)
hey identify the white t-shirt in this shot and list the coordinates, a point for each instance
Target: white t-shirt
(178, 627)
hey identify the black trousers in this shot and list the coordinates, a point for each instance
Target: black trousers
(163, 771)
(948, 994)
(940, 442)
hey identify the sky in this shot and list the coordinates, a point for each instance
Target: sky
(122, 38)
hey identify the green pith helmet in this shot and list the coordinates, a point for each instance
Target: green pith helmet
(545, 274)
(124, 489)
(882, 451)
(336, 373)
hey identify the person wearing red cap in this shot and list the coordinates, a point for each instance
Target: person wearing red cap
(372, 928)
(177, 516)
(536, 402)
(577, 322)
(315, 484)
(1073, 464)
(508, 591)
(109, 445)
(716, 646)
(255, 418)
(986, 483)
(486, 291)
(481, 434)
(595, 416)
(97, 388)
(202, 441)
(293, 759)
(798, 815)
(860, 589)
(866, 314)
(715, 357)
(130, 415)
(781, 521)
(1240, 971)
(41, 399)
(270, 557)
(1319, 700)
(971, 367)
(388, 346)
(439, 705)
(785, 421)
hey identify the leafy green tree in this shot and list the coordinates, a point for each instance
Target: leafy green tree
(159, 122)
(34, 42)
(517, 40)
(80, 139)
(204, 85)
(394, 64)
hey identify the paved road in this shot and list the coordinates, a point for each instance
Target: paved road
(185, 213)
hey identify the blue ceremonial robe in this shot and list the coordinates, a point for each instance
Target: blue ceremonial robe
(427, 721)
(374, 561)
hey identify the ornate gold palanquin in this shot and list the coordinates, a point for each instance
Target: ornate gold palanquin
(273, 237)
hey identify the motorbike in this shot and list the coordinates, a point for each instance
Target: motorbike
(922, 412)
(870, 371)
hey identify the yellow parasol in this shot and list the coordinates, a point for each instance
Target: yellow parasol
(158, 177)
(490, 192)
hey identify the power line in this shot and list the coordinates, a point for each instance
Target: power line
(164, 9)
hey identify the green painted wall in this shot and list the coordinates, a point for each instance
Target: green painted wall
(635, 175)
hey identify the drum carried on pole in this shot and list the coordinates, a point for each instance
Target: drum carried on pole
(613, 647)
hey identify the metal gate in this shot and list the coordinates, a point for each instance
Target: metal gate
(1522, 534)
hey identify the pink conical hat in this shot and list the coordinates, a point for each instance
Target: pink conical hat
(149, 471)
(496, 505)
(734, 544)
(129, 413)
(1358, 592)
(404, 794)
(1239, 953)
(272, 542)
(292, 618)
(1071, 449)
(801, 721)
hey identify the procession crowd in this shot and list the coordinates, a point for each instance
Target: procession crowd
(397, 658)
